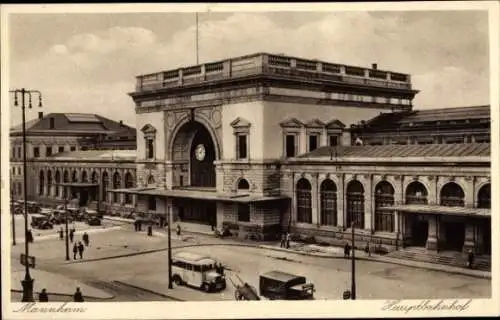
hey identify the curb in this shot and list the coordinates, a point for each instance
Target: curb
(148, 290)
(313, 254)
(66, 295)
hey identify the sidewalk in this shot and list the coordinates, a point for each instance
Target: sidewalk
(310, 250)
(55, 284)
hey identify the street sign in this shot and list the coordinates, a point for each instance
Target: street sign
(346, 295)
(31, 260)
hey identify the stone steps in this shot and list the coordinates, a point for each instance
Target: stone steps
(455, 259)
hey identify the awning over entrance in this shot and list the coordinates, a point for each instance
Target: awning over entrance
(200, 195)
(441, 210)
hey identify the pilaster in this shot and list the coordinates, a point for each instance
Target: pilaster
(432, 235)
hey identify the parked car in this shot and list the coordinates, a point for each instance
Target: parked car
(279, 285)
(39, 221)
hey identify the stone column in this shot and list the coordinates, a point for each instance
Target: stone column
(169, 175)
(469, 192)
(220, 214)
(315, 200)
(340, 202)
(470, 236)
(432, 235)
(369, 204)
(433, 196)
(293, 206)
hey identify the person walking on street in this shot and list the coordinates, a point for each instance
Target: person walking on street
(283, 240)
(470, 259)
(61, 232)
(71, 235)
(178, 230)
(75, 251)
(80, 249)
(347, 250)
(78, 297)
(85, 239)
(43, 296)
(287, 239)
(367, 249)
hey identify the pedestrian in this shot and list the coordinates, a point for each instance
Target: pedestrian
(43, 296)
(347, 250)
(85, 239)
(470, 259)
(61, 234)
(30, 236)
(78, 297)
(80, 249)
(135, 225)
(367, 249)
(178, 230)
(282, 242)
(71, 235)
(75, 250)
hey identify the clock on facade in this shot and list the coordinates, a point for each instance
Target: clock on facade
(200, 152)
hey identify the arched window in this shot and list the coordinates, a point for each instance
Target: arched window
(243, 185)
(41, 183)
(355, 204)
(328, 201)
(452, 195)
(416, 193)
(58, 181)
(304, 209)
(95, 177)
(484, 197)
(49, 183)
(384, 197)
(74, 176)
(65, 180)
(117, 180)
(105, 184)
(85, 178)
(151, 180)
(129, 183)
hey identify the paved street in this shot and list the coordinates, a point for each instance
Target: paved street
(331, 277)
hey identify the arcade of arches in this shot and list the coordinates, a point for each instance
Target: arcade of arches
(436, 230)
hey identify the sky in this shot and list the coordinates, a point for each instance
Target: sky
(88, 62)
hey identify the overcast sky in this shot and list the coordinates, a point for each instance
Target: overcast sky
(88, 62)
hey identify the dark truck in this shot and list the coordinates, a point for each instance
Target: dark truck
(278, 285)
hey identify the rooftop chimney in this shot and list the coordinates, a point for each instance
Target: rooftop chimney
(40, 115)
(374, 66)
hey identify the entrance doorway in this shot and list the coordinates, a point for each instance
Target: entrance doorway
(84, 198)
(197, 211)
(485, 231)
(419, 231)
(455, 235)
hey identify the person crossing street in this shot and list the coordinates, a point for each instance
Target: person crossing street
(75, 251)
(85, 239)
(71, 235)
(80, 249)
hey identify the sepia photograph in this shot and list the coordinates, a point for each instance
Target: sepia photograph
(259, 158)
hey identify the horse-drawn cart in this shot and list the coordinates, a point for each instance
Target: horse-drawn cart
(244, 291)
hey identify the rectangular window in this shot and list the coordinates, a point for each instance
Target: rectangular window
(313, 142)
(36, 152)
(149, 149)
(290, 146)
(60, 149)
(333, 141)
(242, 146)
(72, 148)
(49, 151)
(244, 212)
(19, 152)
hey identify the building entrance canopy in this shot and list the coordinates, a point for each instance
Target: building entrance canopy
(441, 210)
(200, 195)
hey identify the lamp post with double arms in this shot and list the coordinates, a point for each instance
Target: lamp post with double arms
(169, 231)
(66, 226)
(353, 265)
(27, 283)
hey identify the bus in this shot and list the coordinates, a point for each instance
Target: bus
(197, 271)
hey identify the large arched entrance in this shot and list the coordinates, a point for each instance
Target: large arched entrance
(195, 150)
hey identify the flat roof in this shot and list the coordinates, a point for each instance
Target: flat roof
(281, 276)
(441, 210)
(193, 257)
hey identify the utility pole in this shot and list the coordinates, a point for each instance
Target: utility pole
(13, 213)
(169, 231)
(196, 42)
(66, 225)
(353, 265)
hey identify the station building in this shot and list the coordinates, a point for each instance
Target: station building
(264, 144)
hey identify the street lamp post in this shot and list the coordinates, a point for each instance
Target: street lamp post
(13, 213)
(27, 283)
(66, 226)
(169, 217)
(353, 265)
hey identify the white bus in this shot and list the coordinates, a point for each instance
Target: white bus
(198, 271)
